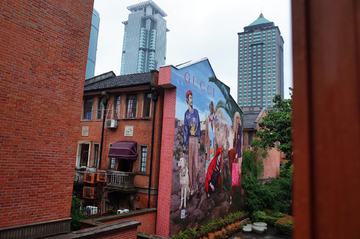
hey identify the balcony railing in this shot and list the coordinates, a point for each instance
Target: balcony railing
(120, 180)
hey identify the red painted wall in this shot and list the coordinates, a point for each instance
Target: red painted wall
(43, 55)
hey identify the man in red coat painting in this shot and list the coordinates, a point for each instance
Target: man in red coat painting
(214, 173)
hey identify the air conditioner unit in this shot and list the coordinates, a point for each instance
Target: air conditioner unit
(89, 192)
(101, 176)
(89, 177)
(111, 124)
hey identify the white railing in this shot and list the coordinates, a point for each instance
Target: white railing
(120, 179)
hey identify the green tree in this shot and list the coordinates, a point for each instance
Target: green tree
(276, 126)
(253, 160)
(77, 214)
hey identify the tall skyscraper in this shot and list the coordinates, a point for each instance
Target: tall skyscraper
(94, 33)
(261, 64)
(144, 46)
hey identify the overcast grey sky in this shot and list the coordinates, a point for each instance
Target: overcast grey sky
(198, 28)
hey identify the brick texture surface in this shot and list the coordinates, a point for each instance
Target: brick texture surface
(142, 133)
(43, 55)
(167, 147)
(128, 234)
(147, 222)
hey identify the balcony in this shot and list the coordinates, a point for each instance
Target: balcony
(123, 181)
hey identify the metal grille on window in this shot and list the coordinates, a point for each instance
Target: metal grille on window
(143, 159)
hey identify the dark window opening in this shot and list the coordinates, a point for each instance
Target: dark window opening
(84, 154)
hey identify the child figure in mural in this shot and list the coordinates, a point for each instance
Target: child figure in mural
(235, 154)
(192, 142)
(210, 135)
(213, 173)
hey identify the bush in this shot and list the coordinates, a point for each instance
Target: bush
(285, 225)
(77, 214)
(212, 226)
(255, 216)
(268, 220)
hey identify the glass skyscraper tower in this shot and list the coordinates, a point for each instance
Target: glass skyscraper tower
(94, 34)
(260, 64)
(144, 45)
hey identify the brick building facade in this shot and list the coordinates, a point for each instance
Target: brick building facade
(131, 117)
(43, 55)
(252, 117)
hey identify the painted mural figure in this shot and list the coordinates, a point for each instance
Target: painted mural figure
(213, 173)
(211, 119)
(235, 154)
(192, 142)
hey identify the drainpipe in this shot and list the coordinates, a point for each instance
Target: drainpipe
(105, 99)
(154, 92)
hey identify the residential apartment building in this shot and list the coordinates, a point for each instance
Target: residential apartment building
(118, 157)
(260, 64)
(94, 34)
(144, 44)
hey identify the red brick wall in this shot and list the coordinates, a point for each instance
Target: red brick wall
(147, 222)
(167, 147)
(128, 234)
(272, 164)
(43, 55)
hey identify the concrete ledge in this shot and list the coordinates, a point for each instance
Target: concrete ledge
(98, 221)
(99, 231)
(36, 230)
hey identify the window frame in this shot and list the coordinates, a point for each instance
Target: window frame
(94, 161)
(99, 108)
(140, 159)
(150, 104)
(117, 112)
(127, 105)
(84, 108)
(78, 155)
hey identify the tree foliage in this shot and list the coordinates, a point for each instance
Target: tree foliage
(253, 159)
(276, 126)
(77, 214)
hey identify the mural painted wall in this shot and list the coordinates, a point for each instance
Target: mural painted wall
(207, 146)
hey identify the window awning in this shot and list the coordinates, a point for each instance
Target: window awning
(124, 150)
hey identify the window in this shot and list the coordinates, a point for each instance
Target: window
(88, 104)
(96, 155)
(143, 158)
(131, 102)
(100, 108)
(147, 104)
(83, 154)
(117, 103)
